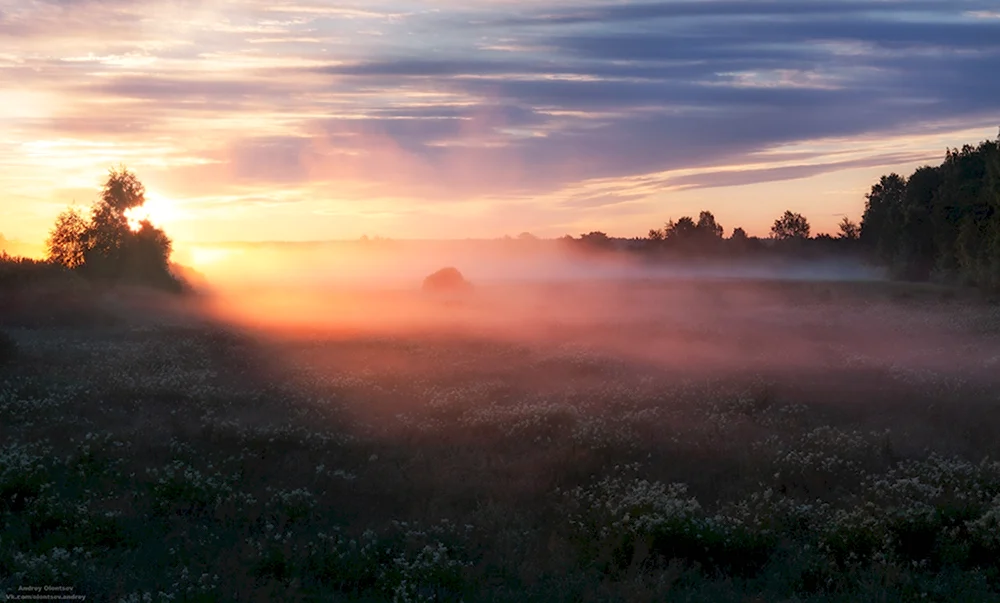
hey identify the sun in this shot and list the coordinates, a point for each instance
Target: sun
(159, 210)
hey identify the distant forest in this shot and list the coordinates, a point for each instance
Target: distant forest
(941, 224)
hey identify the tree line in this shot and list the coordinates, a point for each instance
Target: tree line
(790, 233)
(942, 223)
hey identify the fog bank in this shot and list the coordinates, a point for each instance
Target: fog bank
(404, 264)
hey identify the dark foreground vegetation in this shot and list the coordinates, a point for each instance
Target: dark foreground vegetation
(787, 442)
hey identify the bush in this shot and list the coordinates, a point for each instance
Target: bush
(19, 271)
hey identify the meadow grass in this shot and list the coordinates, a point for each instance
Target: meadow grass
(154, 459)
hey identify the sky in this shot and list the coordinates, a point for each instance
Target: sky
(309, 119)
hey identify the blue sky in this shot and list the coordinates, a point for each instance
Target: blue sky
(309, 120)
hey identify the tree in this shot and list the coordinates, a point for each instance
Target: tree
(993, 198)
(790, 226)
(683, 229)
(596, 239)
(739, 242)
(708, 227)
(122, 191)
(849, 231)
(883, 216)
(915, 247)
(969, 247)
(146, 257)
(959, 197)
(66, 243)
(106, 247)
(109, 228)
(943, 221)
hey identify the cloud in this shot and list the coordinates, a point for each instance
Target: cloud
(457, 102)
(595, 201)
(272, 160)
(723, 9)
(724, 178)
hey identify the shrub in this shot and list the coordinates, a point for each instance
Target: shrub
(20, 271)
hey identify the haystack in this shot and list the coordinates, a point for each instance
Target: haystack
(446, 279)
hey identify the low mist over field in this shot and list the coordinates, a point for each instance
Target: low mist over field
(687, 326)
(518, 287)
(404, 264)
(544, 294)
(564, 439)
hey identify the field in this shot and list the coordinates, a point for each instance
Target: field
(642, 441)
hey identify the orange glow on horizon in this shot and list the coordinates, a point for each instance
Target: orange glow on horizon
(207, 256)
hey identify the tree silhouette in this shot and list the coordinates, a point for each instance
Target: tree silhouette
(147, 255)
(66, 243)
(992, 193)
(915, 248)
(687, 236)
(969, 246)
(683, 229)
(596, 239)
(738, 235)
(963, 212)
(106, 247)
(942, 222)
(790, 226)
(849, 230)
(109, 229)
(708, 227)
(883, 215)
